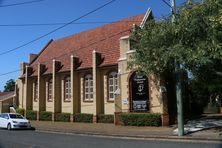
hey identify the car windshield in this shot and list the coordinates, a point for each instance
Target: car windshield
(15, 116)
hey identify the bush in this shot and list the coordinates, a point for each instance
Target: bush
(140, 119)
(64, 117)
(31, 115)
(20, 111)
(105, 118)
(82, 117)
(45, 116)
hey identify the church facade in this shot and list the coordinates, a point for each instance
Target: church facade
(87, 73)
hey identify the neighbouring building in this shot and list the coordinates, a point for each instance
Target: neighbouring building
(87, 73)
(7, 100)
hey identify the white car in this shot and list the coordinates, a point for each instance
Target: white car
(13, 121)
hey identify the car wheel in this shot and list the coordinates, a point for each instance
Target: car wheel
(9, 127)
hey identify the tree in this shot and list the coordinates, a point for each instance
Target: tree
(207, 83)
(194, 41)
(9, 86)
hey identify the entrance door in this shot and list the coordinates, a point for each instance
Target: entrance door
(139, 93)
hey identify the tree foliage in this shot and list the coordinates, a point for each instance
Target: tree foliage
(193, 41)
(9, 86)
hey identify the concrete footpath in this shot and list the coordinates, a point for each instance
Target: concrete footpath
(100, 129)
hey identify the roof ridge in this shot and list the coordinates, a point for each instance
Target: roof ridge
(89, 39)
(104, 25)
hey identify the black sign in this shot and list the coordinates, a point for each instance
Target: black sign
(140, 94)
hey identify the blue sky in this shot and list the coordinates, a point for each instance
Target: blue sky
(58, 11)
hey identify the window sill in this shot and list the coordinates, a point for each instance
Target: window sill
(88, 101)
(67, 100)
(110, 101)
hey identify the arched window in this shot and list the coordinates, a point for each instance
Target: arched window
(67, 89)
(35, 95)
(88, 83)
(49, 97)
(112, 85)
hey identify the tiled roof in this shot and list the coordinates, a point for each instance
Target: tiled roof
(104, 39)
(6, 95)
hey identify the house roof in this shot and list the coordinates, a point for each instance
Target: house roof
(6, 95)
(104, 39)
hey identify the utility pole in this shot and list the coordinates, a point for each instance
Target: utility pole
(178, 82)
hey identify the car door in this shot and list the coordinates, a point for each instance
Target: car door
(5, 120)
(1, 120)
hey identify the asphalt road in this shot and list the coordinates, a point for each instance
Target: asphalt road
(35, 139)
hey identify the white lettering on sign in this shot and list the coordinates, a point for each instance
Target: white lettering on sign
(125, 101)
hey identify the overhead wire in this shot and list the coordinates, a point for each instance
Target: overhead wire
(10, 72)
(54, 30)
(23, 3)
(167, 3)
(55, 24)
(71, 51)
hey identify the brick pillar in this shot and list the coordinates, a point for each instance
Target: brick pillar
(56, 88)
(123, 73)
(165, 119)
(41, 88)
(1, 108)
(23, 68)
(71, 118)
(97, 102)
(21, 86)
(53, 116)
(37, 116)
(28, 89)
(75, 89)
(94, 118)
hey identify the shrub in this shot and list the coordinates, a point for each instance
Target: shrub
(64, 117)
(141, 119)
(20, 111)
(45, 116)
(31, 115)
(82, 117)
(105, 118)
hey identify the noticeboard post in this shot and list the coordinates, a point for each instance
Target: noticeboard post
(140, 93)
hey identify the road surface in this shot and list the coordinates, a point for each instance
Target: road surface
(37, 139)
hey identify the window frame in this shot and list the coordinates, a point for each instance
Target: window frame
(67, 99)
(49, 90)
(89, 80)
(114, 85)
(36, 91)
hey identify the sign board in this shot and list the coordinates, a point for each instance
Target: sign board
(139, 86)
(125, 102)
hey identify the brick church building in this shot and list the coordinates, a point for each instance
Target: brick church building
(87, 73)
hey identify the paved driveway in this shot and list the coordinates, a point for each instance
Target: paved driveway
(200, 124)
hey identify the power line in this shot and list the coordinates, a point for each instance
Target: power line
(23, 3)
(3, 74)
(87, 45)
(55, 24)
(75, 49)
(167, 3)
(70, 52)
(54, 30)
(112, 35)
